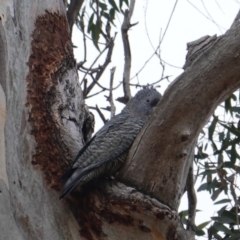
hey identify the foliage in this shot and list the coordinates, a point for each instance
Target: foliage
(217, 160)
(101, 14)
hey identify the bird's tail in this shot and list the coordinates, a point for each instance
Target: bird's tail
(74, 178)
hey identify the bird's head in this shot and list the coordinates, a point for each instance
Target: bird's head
(143, 102)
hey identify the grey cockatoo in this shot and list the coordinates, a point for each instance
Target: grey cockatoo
(106, 152)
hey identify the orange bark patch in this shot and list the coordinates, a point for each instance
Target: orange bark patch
(51, 55)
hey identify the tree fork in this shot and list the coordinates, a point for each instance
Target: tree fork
(186, 106)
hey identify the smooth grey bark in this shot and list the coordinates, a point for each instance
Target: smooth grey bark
(29, 208)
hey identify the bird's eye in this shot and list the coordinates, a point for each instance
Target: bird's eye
(147, 100)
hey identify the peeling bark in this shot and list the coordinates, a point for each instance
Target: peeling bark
(52, 99)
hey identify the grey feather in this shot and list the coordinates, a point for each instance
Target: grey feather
(106, 152)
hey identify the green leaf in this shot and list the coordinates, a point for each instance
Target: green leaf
(206, 145)
(202, 225)
(235, 235)
(208, 173)
(201, 154)
(229, 215)
(222, 219)
(111, 15)
(221, 136)
(113, 4)
(216, 194)
(231, 129)
(214, 146)
(222, 201)
(231, 178)
(183, 214)
(212, 127)
(222, 228)
(233, 154)
(228, 104)
(212, 230)
(121, 3)
(90, 23)
(228, 164)
(221, 210)
(234, 97)
(220, 159)
(199, 232)
(103, 6)
(209, 186)
(95, 35)
(236, 109)
(106, 15)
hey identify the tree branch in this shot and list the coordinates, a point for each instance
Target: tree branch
(193, 96)
(81, 25)
(192, 200)
(116, 207)
(72, 12)
(109, 46)
(127, 53)
(110, 97)
(100, 113)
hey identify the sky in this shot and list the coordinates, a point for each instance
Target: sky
(190, 21)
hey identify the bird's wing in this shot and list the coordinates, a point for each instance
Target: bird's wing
(115, 138)
(108, 141)
(79, 176)
(114, 124)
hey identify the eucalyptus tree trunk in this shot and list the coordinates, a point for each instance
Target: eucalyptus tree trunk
(39, 93)
(43, 123)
